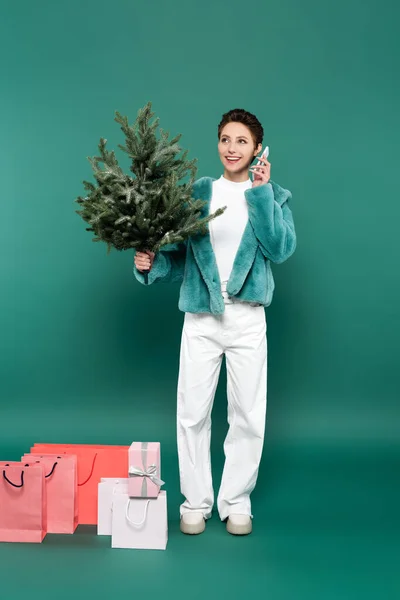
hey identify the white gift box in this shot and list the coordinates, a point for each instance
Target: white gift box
(107, 488)
(139, 522)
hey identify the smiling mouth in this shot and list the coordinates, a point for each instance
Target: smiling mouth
(233, 160)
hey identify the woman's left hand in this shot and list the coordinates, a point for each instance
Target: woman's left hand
(261, 172)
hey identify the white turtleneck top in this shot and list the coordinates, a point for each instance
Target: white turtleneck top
(226, 230)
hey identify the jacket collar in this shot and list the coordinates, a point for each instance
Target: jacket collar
(203, 250)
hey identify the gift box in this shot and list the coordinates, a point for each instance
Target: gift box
(139, 523)
(107, 489)
(144, 470)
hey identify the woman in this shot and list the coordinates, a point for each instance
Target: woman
(226, 283)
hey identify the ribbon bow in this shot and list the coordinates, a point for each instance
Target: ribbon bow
(150, 472)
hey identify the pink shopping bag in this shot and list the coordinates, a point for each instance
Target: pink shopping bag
(23, 505)
(61, 479)
(94, 462)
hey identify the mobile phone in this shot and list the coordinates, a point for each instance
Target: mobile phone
(265, 153)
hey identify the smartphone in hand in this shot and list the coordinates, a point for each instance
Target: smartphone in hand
(265, 154)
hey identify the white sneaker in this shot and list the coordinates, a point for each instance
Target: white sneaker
(193, 523)
(239, 524)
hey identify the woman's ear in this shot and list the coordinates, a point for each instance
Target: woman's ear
(256, 151)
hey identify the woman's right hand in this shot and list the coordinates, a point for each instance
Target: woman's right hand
(144, 260)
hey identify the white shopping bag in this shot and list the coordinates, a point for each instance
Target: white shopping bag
(107, 487)
(139, 522)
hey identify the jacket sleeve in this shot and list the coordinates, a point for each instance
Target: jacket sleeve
(168, 265)
(272, 220)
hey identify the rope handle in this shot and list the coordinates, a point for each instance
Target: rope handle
(117, 483)
(10, 482)
(52, 470)
(91, 472)
(130, 520)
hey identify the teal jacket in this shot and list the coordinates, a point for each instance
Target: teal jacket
(269, 236)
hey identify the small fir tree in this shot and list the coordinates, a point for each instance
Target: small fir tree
(151, 209)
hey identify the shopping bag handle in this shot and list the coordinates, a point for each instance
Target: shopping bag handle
(91, 472)
(130, 520)
(114, 490)
(52, 470)
(10, 482)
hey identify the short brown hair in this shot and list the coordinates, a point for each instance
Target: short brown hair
(240, 115)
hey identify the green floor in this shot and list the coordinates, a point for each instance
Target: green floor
(326, 526)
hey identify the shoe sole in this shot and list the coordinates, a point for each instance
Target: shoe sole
(192, 529)
(239, 529)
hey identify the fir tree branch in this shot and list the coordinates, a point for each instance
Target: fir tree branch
(152, 208)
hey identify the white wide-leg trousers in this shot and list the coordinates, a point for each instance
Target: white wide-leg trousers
(240, 334)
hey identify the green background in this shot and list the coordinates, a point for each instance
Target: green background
(89, 355)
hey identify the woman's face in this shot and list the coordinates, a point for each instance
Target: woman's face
(236, 148)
